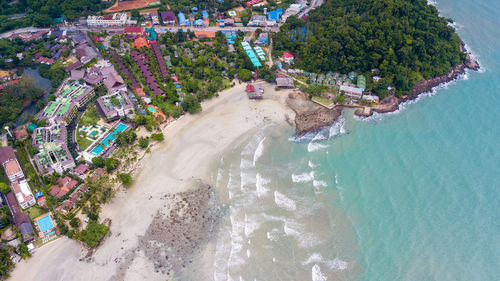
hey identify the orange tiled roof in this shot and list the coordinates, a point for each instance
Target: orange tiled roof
(140, 42)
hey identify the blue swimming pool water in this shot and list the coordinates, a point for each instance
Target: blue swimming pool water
(45, 223)
(108, 139)
(151, 109)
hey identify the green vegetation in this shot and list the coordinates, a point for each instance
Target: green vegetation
(115, 42)
(75, 222)
(55, 73)
(4, 188)
(126, 179)
(98, 161)
(13, 98)
(43, 13)
(35, 211)
(90, 117)
(244, 74)
(94, 233)
(158, 137)
(127, 137)
(405, 40)
(111, 164)
(324, 101)
(6, 264)
(144, 142)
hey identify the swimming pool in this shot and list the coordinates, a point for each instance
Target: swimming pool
(45, 223)
(151, 109)
(108, 139)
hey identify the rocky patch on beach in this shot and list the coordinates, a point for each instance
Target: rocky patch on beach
(178, 231)
(310, 116)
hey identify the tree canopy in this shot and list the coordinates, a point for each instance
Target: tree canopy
(406, 40)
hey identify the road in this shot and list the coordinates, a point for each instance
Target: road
(313, 5)
(163, 29)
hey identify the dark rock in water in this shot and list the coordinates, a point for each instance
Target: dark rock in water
(310, 116)
(177, 232)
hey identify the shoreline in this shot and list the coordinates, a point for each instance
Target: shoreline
(313, 120)
(391, 103)
(192, 145)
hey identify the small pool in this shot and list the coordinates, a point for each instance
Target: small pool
(84, 129)
(151, 109)
(108, 139)
(45, 223)
(93, 133)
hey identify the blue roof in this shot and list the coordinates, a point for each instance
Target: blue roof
(205, 14)
(194, 9)
(198, 22)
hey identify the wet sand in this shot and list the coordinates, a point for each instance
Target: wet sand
(192, 144)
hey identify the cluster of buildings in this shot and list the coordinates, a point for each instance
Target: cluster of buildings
(20, 195)
(116, 19)
(28, 36)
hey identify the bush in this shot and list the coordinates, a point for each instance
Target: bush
(158, 137)
(75, 222)
(144, 142)
(111, 164)
(4, 188)
(244, 74)
(94, 233)
(98, 161)
(126, 179)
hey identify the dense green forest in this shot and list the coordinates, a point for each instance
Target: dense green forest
(43, 13)
(14, 96)
(406, 40)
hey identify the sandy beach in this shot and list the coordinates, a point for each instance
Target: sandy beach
(192, 144)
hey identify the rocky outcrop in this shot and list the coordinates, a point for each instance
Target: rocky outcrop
(310, 116)
(391, 103)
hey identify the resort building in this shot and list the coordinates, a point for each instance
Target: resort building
(371, 98)
(168, 17)
(116, 19)
(154, 17)
(54, 155)
(81, 171)
(21, 219)
(115, 105)
(287, 57)
(283, 81)
(114, 82)
(63, 187)
(71, 97)
(10, 165)
(351, 92)
(23, 193)
(134, 30)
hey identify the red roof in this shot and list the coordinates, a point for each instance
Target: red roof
(287, 55)
(132, 29)
(108, 17)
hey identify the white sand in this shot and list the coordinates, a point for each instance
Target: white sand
(192, 145)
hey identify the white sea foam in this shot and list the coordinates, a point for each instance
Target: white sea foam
(317, 275)
(252, 223)
(260, 184)
(311, 164)
(318, 183)
(284, 202)
(314, 146)
(336, 264)
(305, 177)
(273, 235)
(304, 239)
(259, 151)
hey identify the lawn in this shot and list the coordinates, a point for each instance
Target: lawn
(35, 211)
(91, 116)
(324, 101)
(82, 141)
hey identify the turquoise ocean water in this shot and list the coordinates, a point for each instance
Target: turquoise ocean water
(412, 195)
